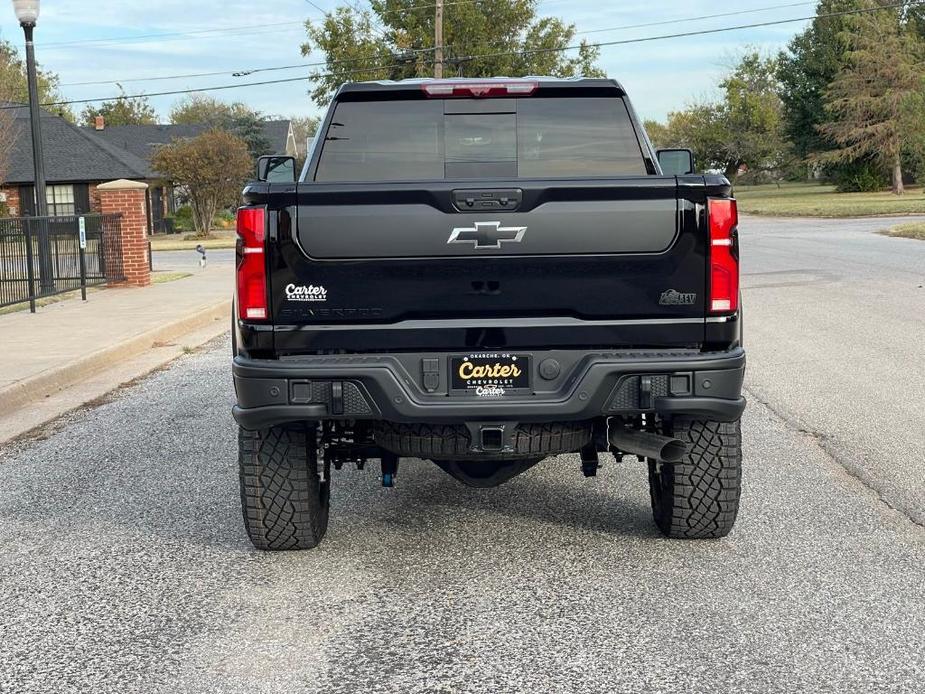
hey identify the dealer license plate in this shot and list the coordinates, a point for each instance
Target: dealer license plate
(490, 374)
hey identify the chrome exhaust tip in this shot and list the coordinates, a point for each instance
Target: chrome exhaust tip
(648, 445)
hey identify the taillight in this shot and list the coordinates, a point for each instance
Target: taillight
(724, 255)
(481, 89)
(252, 270)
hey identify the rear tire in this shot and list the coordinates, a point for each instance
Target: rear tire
(284, 500)
(699, 496)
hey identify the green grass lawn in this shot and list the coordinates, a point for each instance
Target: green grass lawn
(218, 238)
(914, 230)
(813, 200)
(165, 276)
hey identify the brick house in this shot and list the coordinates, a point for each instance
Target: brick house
(76, 162)
(142, 140)
(78, 159)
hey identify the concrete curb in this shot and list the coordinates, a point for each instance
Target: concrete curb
(53, 381)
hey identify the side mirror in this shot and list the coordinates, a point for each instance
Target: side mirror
(276, 169)
(675, 162)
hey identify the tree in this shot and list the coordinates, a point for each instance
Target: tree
(121, 111)
(248, 125)
(741, 129)
(481, 39)
(304, 130)
(236, 118)
(751, 115)
(201, 109)
(658, 133)
(14, 85)
(874, 103)
(701, 128)
(806, 69)
(212, 167)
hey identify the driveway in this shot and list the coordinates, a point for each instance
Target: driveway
(124, 566)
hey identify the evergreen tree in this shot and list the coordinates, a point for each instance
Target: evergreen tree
(874, 103)
(806, 69)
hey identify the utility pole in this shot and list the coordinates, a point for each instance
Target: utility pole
(438, 40)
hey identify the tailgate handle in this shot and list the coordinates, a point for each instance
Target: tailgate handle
(489, 200)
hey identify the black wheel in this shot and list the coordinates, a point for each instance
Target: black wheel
(284, 500)
(699, 496)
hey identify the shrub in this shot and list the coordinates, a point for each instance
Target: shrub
(859, 177)
(224, 220)
(183, 219)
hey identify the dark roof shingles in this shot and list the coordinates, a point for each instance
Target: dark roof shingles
(140, 140)
(85, 154)
(70, 153)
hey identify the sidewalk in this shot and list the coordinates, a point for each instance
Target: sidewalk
(70, 342)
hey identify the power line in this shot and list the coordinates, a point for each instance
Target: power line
(234, 73)
(354, 6)
(406, 10)
(128, 39)
(687, 34)
(251, 71)
(696, 19)
(174, 92)
(326, 13)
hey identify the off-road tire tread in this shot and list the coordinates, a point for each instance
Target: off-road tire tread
(699, 496)
(284, 501)
(451, 442)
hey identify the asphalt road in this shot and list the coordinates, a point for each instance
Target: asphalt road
(124, 566)
(835, 331)
(186, 260)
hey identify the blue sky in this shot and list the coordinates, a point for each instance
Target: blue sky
(659, 75)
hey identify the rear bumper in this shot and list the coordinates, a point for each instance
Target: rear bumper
(413, 388)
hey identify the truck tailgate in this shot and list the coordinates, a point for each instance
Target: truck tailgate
(607, 249)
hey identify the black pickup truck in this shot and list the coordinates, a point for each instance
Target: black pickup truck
(484, 274)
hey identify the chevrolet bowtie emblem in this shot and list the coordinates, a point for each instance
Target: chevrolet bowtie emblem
(487, 235)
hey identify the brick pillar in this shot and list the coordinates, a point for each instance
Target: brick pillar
(128, 199)
(12, 200)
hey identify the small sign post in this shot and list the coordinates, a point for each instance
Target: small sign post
(82, 246)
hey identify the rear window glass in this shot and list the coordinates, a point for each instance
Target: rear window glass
(527, 138)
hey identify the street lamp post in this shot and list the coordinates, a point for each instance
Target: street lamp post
(27, 12)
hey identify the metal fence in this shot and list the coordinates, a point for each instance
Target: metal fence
(44, 256)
